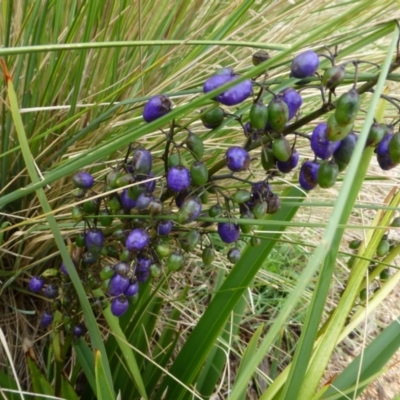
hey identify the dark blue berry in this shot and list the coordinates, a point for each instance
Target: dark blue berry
(178, 178)
(119, 306)
(94, 240)
(237, 159)
(142, 162)
(292, 99)
(132, 289)
(308, 177)
(228, 232)
(137, 240)
(117, 285)
(164, 227)
(51, 291)
(83, 180)
(320, 145)
(304, 64)
(289, 165)
(47, 319)
(78, 330)
(127, 202)
(156, 107)
(36, 284)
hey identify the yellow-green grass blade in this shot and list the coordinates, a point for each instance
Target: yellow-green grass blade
(303, 386)
(251, 350)
(67, 391)
(86, 361)
(39, 382)
(104, 390)
(190, 359)
(87, 311)
(373, 360)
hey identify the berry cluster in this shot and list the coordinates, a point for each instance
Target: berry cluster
(147, 214)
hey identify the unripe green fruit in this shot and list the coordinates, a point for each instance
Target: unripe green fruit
(155, 207)
(204, 197)
(383, 248)
(278, 114)
(258, 115)
(246, 228)
(355, 244)
(124, 179)
(347, 107)
(241, 196)
(195, 145)
(155, 270)
(76, 214)
(163, 250)
(213, 118)
(189, 210)
(394, 148)
(335, 131)
(199, 173)
(215, 211)
(106, 272)
(119, 235)
(260, 210)
(112, 251)
(124, 255)
(112, 177)
(268, 160)
(385, 274)
(351, 261)
(90, 206)
(105, 218)
(376, 134)
(255, 241)
(175, 159)
(190, 240)
(208, 255)
(175, 261)
(281, 149)
(363, 295)
(327, 174)
(80, 240)
(333, 77)
(260, 56)
(113, 203)
(396, 222)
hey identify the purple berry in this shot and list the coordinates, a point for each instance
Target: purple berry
(83, 180)
(143, 200)
(119, 306)
(142, 161)
(237, 159)
(122, 268)
(47, 319)
(94, 240)
(142, 271)
(164, 228)
(233, 95)
(36, 284)
(234, 255)
(292, 99)
(260, 190)
(320, 145)
(156, 107)
(137, 240)
(308, 177)
(304, 64)
(132, 289)
(289, 165)
(78, 330)
(117, 285)
(151, 185)
(51, 291)
(228, 232)
(220, 78)
(178, 178)
(127, 202)
(382, 153)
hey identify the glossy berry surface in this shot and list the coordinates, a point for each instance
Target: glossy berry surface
(83, 180)
(304, 64)
(320, 145)
(292, 99)
(308, 177)
(220, 78)
(142, 161)
(178, 178)
(126, 201)
(164, 228)
(36, 284)
(132, 289)
(119, 306)
(156, 107)
(289, 165)
(137, 240)
(94, 240)
(382, 153)
(237, 159)
(51, 291)
(117, 285)
(236, 94)
(228, 232)
(47, 319)
(78, 330)
(234, 255)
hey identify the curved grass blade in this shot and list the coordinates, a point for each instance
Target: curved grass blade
(29, 161)
(375, 356)
(104, 391)
(190, 359)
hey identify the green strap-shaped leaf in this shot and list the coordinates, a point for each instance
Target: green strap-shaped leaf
(67, 391)
(104, 391)
(39, 382)
(374, 358)
(198, 345)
